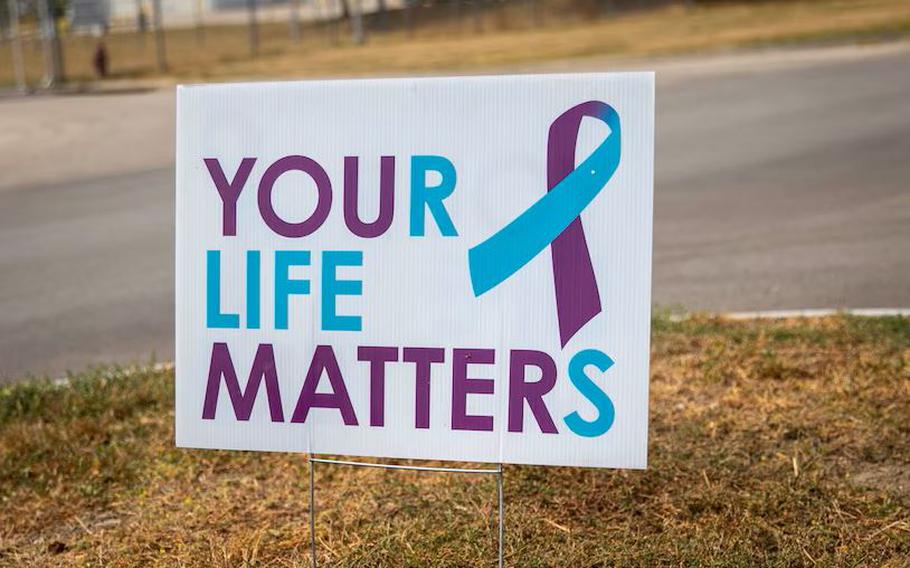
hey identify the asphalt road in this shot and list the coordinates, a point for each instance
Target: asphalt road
(783, 181)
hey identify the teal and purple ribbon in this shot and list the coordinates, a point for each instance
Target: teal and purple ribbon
(555, 220)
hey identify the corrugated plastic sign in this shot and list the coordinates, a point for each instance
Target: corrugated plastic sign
(452, 268)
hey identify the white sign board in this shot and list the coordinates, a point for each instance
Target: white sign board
(453, 268)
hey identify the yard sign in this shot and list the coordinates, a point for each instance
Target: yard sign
(452, 268)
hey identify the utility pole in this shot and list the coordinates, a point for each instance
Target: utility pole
(254, 29)
(16, 39)
(159, 36)
(53, 55)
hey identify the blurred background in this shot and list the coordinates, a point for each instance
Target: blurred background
(52, 41)
(783, 131)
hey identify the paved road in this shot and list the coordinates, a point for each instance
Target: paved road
(783, 181)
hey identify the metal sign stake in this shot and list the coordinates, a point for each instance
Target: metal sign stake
(497, 472)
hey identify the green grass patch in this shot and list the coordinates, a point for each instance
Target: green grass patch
(773, 443)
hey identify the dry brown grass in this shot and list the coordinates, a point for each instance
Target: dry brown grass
(772, 444)
(510, 38)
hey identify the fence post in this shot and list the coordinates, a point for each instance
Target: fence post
(200, 26)
(53, 55)
(478, 16)
(159, 36)
(254, 27)
(536, 14)
(409, 16)
(295, 20)
(357, 23)
(329, 20)
(382, 12)
(16, 45)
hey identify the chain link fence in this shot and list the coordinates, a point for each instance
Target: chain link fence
(46, 42)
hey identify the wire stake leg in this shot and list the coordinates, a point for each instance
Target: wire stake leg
(502, 513)
(498, 472)
(312, 513)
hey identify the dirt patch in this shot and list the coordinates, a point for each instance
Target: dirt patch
(891, 478)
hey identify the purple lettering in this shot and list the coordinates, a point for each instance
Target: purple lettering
(462, 386)
(422, 357)
(324, 197)
(386, 198)
(324, 360)
(378, 357)
(229, 191)
(520, 390)
(263, 367)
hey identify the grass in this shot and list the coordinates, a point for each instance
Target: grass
(781, 443)
(511, 36)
